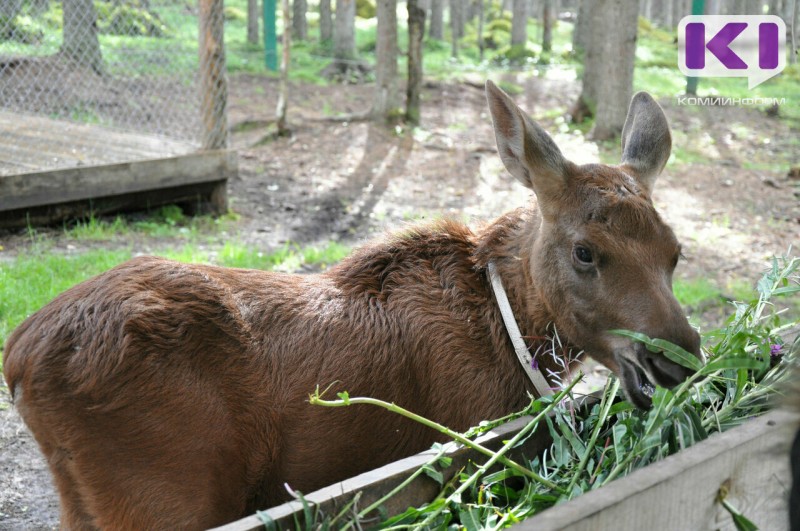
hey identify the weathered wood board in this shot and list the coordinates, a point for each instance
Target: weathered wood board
(681, 491)
(36, 143)
(50, 196)
(375, 484)
(51, 170)
(677, 493)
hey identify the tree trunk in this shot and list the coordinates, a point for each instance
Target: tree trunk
(471, 11)
(481, 19)
(283, 88)
(795, 22)
(534, 9)
(582, 31)
(519, 23)
(385, 102)
(713, 7)
(680, 8)
(299, 25)
(416, 30)
(252, 21)
(344, 31)
(213, 77)
(465, 18)
(547, 26)
(658, 11)
(611, 54)
(647, 10)
(668, 6)
(608, 66)
(436, 28)
(325, 21)
(754, 7)
(457, 18)
(776, 7)
(456, 28)
(80, 42)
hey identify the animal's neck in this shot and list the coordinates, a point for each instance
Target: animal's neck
(509, 242)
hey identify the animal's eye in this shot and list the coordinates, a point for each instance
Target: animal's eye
(678, 257)
(582, 255)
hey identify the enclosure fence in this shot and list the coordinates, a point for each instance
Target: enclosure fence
(131, 65)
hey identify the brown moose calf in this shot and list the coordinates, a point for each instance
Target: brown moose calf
(169, 396)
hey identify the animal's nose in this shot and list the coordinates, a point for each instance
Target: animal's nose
(665, 372)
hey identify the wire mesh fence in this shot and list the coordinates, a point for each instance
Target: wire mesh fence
(127, 64)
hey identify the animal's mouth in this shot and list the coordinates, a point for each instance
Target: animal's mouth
(641, 370)
(636, 384)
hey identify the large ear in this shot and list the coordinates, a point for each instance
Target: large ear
(526, 149)
(646, 142)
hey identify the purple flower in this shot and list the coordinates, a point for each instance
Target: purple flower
(775, 349)
(534, 364)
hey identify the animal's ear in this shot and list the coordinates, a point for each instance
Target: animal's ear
(646, 142)
(526, 149)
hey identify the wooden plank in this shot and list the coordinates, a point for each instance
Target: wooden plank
(74, 184)
(40, 143)
(12, 124)
(196, 198)
(91, 149)
(680, 492)
(375, 484)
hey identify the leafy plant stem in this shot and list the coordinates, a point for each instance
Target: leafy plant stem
(605, 405)
(317, 400)
(499, 455)
(636, 450)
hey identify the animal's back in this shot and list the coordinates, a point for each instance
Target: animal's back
(155, 368)
(125, 374)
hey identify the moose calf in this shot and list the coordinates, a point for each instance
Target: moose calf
(167, 395)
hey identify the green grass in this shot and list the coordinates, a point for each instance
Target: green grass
(165, 222)
(696, 292)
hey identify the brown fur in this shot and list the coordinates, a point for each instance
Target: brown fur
(167, 395)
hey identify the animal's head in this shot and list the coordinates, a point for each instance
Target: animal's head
(603, 258)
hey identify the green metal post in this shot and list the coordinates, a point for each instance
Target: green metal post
(270, 37)
(698, 8)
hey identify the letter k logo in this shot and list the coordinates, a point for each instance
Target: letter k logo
(751, 46)
(718, 45)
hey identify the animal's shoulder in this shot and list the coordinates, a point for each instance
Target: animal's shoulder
(434, 254)
(421, 245)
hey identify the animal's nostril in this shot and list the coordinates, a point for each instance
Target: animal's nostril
(666, 373)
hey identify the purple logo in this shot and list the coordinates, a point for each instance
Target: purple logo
(732, 46)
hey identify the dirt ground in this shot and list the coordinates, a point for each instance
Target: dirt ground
(349, 181)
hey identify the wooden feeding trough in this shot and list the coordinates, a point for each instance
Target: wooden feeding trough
(750, 463)
(52, 170)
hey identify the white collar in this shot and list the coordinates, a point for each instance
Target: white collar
(523, 354)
